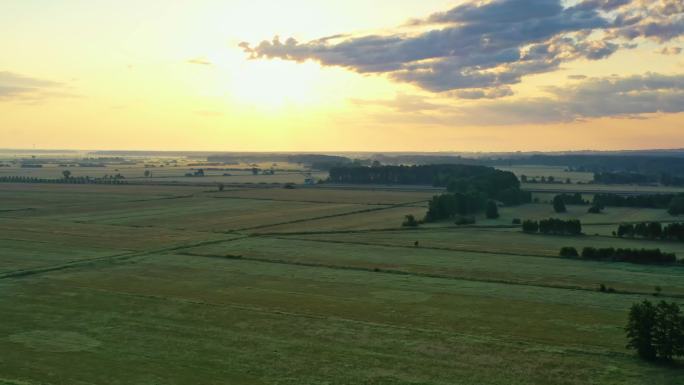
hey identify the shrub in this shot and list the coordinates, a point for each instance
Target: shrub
(595, 210)
(517, 221)
(569, 252)
(410, 221)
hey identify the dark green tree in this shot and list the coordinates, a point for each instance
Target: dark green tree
(559, 205)
(656, 331)
(676, 205)
(530, 226)
(640, 325)
(492, 210)
(569, 252)
(668, 333)
(410, 221)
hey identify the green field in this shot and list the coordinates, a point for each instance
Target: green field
(188, 285)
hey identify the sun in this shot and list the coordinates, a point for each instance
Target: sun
(275, 84)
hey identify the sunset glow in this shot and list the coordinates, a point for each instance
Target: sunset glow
(219, 75)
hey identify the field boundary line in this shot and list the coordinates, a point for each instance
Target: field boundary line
(417, 274)
(110, 258)
(387, 207)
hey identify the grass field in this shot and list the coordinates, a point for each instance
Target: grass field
(187, 285)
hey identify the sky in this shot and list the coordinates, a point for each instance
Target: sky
(353, 75)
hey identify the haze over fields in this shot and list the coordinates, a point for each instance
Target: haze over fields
(306, 75)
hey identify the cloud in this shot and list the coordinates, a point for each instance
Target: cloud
(481, 47)
(592, 98)
(403, 103)
(14, 86)
(670, 51)
(199, 61)
(589, 98)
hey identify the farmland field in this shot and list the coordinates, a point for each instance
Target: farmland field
(147, 284)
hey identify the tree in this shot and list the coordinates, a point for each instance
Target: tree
(668, 333)
(147, 173)
(255, 171)
(492, 210)
(410, 221)
(523, 178)
(559, 205)
(656, 331)
(530, 226)
(676, 205)
(595, 209)
(67, 174)
(639, 329)
(569, 252)
(221, 186)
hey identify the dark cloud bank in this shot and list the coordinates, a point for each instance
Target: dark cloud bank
(479, 49)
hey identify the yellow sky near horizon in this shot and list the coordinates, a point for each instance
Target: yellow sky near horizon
(163, 75)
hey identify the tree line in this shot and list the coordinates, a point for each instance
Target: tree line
(553, 226)
(674, 203)
(653, 201)
(652, 230)
(641, 256)
(665, 179)
(469, 186)
(69, 180)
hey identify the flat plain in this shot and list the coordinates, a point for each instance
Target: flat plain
(188, 285)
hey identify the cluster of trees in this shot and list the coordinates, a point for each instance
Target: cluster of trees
(654, 201)
(450, 206)
(319, 161)
(471, 189)
(656, 331)
(553, 226)
(642, 256)
(458, 178)
(69, 180)
(652, 230)
(572, 199)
